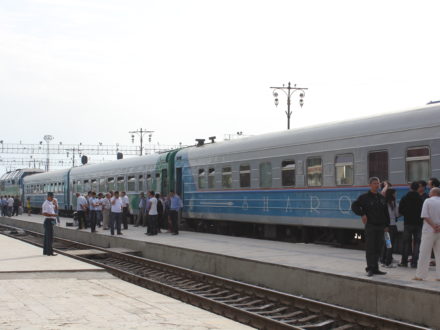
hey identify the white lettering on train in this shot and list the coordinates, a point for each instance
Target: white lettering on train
(265, 204)
(288, 205)
(245, 205)
(347, 200)
(314, 207)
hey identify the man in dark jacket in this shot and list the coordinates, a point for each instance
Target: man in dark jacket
(410, 207)
(373, 209)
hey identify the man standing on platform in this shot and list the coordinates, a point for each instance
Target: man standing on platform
(430, 235)
(93, 203)
(106, 206)
(373, 210)
(10, 206)
(152, 215)
(142, 206)
(125, 209)
(81, 206)
(116, 214)
(175, 206)
(410, 207)
(48, 209)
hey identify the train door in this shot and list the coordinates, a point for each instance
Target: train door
(164, 186)
(179, 189)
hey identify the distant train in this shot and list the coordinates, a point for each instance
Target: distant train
(280, 185)
(11, 183)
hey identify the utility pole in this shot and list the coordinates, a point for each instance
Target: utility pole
(47, 138)
(289, 91)
(141, 132)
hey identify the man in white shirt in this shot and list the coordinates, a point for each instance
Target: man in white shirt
(81, 207)
(152, 214)
(430, 235)
(98, 208)
(116, 214)
(10, 206)
(48, 209)
(125, 209)
(93, 203)
(106, 206)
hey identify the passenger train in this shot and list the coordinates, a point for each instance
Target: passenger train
(295, 184)
(11, 183)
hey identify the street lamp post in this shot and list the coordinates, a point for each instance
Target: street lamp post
(141, 132)
(47, 138)
(289, 91)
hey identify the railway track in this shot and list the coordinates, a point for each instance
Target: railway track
(252, 305)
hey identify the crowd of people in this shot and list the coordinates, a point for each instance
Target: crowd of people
(379, 211)
(112, 212)
(10, 205)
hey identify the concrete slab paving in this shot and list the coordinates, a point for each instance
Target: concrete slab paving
(85, 300)
(18, 257)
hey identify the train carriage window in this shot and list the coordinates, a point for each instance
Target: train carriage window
(378, 165)
(102, 185)
(344, 169)
(211, 178)
(314, 172)
(94, 185)
(245, 176)
(141, 183)
(418, 164)
(87, 186)
(120, 183)
(62, 187)
(201, 178)
(227, 177)
(149, 182)
(54, 187)
(288, 173)
(131, 183)
(266, 175)
(111, 184)
(45, 188)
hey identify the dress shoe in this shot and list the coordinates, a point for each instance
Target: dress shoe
(378, 272)
(370, 273)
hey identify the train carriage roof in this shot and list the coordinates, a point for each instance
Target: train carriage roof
(128, 165)
(57, 175)
(18, 173)
(428, 116)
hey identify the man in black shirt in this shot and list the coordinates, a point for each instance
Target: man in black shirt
(373, 210)
(410, 207)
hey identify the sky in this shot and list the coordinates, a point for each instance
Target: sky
(91, 71)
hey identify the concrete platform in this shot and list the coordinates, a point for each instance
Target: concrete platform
(19, 258)
(55, 295)
(320, 272)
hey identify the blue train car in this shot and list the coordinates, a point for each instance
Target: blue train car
(37, 186)
(307, 177)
